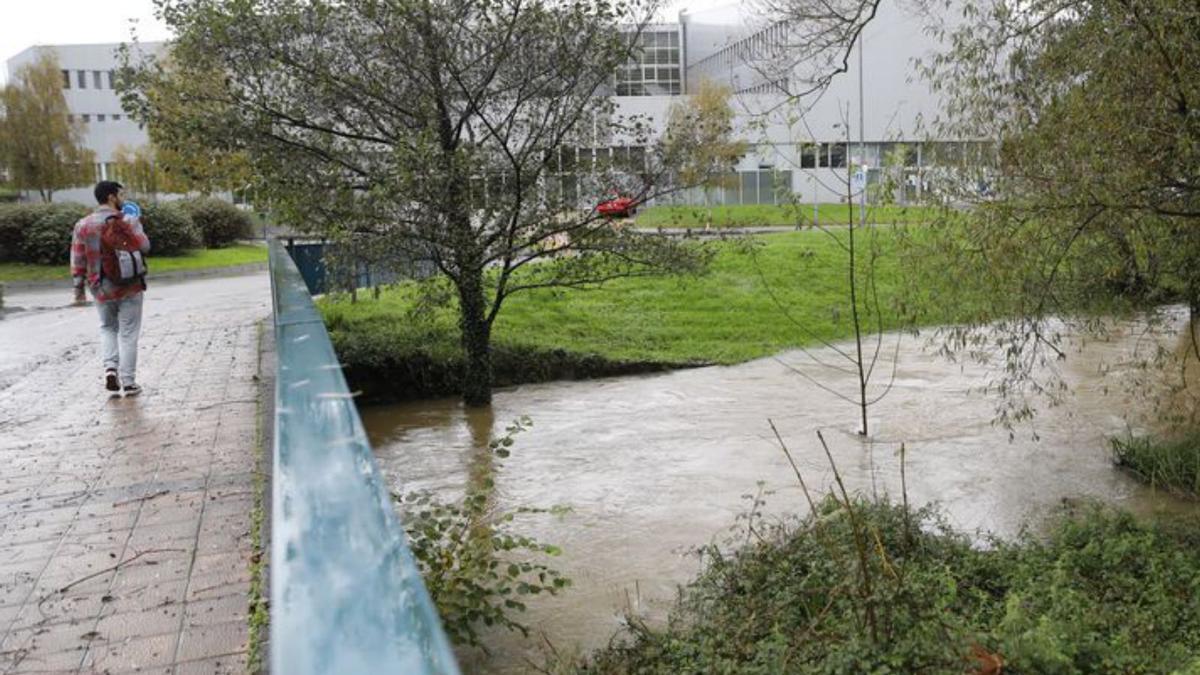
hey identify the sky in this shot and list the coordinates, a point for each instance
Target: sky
(40, 22)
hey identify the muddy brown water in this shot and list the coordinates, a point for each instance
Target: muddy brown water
(653, 466)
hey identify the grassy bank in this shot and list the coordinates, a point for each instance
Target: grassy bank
(725, 316)
(878, 590)
(202, 259)
(766, 215)
(1169, 463)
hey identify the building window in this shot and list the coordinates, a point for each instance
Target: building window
(96, 79)
(100, 117)
(86, 118)
(654, 68)
(81, 79)
(837, 155)
(808, 156)
(66, 79)
(110, 80)
(116, 118)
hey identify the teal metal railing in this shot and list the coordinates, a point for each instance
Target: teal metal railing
(346, 596)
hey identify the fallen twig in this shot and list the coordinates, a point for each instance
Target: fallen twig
(144, 498)
(118, 566)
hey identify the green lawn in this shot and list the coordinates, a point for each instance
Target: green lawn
(203, 259)
(765, 215)
(725, 316)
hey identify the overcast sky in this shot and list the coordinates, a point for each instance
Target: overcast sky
(42, 22)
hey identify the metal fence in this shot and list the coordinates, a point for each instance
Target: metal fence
(323, 270)
(346, 596)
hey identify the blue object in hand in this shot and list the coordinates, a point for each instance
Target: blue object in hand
(132, 210)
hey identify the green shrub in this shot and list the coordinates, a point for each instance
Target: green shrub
(47, 240)
(170, 229)
(15, 221)
(477, 570)
(1101, 593)
(219, 222)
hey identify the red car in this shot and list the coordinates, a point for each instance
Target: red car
(617, 207)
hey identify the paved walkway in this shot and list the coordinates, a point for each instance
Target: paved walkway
(124, 524)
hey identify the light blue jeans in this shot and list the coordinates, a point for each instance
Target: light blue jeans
(120, 325)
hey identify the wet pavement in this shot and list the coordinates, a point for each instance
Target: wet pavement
(647, 468)
(124, 523)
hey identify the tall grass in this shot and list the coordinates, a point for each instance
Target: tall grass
(1172, 463)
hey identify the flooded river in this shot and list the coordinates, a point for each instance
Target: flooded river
(652, 466)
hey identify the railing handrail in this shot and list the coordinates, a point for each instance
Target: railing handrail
(346, 596)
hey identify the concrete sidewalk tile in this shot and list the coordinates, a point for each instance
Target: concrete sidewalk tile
(145, 576)
(210, 586)
(157, 621)
(38, 661)
(232, 563)
(227, 664)
(212, 640)
(141, 653)
(233, 607)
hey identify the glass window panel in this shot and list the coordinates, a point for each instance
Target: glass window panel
(732, 194)
(823, 155)
(662, 39)
(673, 56)
(664, 74)
(837, 155)
(808, 156)
(766, 188)
(96, 79)
(81, 78)
(749, 183)
(674, 39)
(66, 79)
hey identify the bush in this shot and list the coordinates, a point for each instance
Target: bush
(47, 240)
(170, 229)
(1102, 593)
(219, 222)
(15, 221)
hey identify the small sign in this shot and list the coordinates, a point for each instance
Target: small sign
(132, 210)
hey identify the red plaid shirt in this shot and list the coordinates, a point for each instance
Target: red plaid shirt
(85, 254)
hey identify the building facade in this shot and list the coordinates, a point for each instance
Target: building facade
(88, 72)
(799, 150)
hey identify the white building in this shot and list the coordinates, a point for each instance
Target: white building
(802, 147)
(87, 72)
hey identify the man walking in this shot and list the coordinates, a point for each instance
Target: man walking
(106, 256)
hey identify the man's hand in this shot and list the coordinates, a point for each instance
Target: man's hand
(80, 296)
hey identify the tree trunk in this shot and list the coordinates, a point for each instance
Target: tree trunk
(476, 340)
